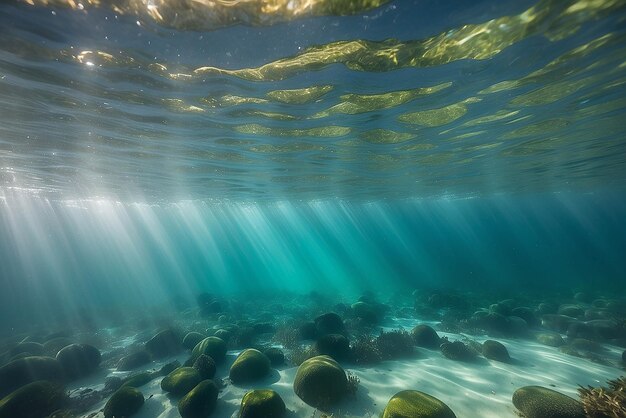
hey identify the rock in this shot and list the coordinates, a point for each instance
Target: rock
(200, 401)
(169, 368)
(32, 348)
(335, 345)
(53, 346)
(27, 370)
(456, 350)
(34, 400)
(329, 323)
(493, 350)
(112, 383)
(223, 334)
(558, 323)
(366, 311)
(213, 347)
(79, 360)
(415, 404)
(546, 308)
(425, 336)
(497, 323)
(139, 379)
(123, 403)
(250, 365)
(551, 339)
(526, 314)
(320, 381)
(501, 309)
(205, 366)
(586, 345)
(573, 311)
(606, 329)
(181, 380)
(539, 402)
(165, 343)
(276, 356)
(582, 297)
(192, 339)
(262, 404)
(134, 360)
(308, 331)
(517, 326)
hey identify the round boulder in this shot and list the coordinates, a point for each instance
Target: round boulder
(34, 400)
(163, 344)
(329, 323)
(540, 402)
(262, 404)
(181, 380)
(425, 336)
(192, 339)
(27, 370)
(134, 360)
(79, 360)
(205, 366)
(415, 404)
(250, 365)
(213, 347)
(276, 356)
(494, 350)
(200, 401)
(123, 403)
(335, 345)
(320, 381)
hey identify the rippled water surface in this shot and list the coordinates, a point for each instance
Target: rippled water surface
(258, 100)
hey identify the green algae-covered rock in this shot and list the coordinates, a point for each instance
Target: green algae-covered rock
(262, 403)
(539, 402)
(200, 401)
(457, 350)
(164, 344)
(192, 339)
(78, 360)
(320, 381)
(250, 365)
(494, 350)
(425, 336)
(551, 339)
(134, 360)
(415, 404)
(123, 403)
(276, 356)
(205, 366)
(139, 379)
(26, 370)
(213, 347)
(35, 400)
(181, 380)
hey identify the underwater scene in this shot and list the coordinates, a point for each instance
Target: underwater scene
(312, 208)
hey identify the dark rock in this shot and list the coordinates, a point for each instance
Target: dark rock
(165, 343)
(27, 370)
(262, 404)
(192, 339)
(213, 347)
(539, 402)
(335, 345)
(34, 400)
(79, 360)
(200, 402)
(276, 356)
(139, 379)
(250, 365)
(169, 368)
(573, 311)
(53, 346)
(329, 323)
(526, 314)
(223, 334)
(558, 323)
(494, 350)
(320, 381)
(205, 366)
(134, 360)
(415, 404)
(32, 348)
(181, 381)
(425, 336)
(308, 331)
(112, 383)
(456, 350)
(124, 403)
(546, 308)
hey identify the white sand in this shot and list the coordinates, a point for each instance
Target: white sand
(480, 389)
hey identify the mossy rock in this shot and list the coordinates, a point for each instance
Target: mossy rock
(574, 311)
(134, 360)
(34, 400)
(205, 366)
(526, 314)
(320, 381)
(329, 323)
(425, 336)
(192, 339)
(53, 346)
(335, 345)
(262, 403)
(125, 402)
(276, 356)
(181, 380)
(250, 365)
(308, 331)
(163, 344)
(550, 339)
(213, 347)
(139, 379)
(30, 347)
(457, 350)
(200, 401)
(78, 360)
(494, 350)
(224, 334)
(559, 323)
(169, 368)
(27, 370)
(415, 404)
(366, 311)
(540, 402)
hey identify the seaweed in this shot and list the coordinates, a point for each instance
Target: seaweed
(603, 402)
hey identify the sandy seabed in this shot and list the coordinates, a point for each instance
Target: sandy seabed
(482, 388)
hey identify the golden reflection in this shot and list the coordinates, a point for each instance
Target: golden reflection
(179, 105)
(385, 136)
(299, 96)
(321, 131)
(231, 100)
(438, 117)
(537, 128)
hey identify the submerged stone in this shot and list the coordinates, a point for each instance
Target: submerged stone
(181, 380)
(539, 402)
(320, 381)
(416, 404)
(192, 339)
(262, 404)
(134, 360)
(494, 350)
(79, 360)
(26, 370)
(163, 344)
(205, 366)
(200, 402)
(335, 345)
(329, 323)
(276, 356)
(250, 365)
(34, 400)
(425, 336)
(213, 347)
(125, 402)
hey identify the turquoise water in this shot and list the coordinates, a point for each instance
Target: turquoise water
(291, 157)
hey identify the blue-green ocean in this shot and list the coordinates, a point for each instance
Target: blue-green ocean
(250, 166)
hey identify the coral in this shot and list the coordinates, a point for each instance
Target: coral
(425, 336)
(205, 366)
(604, 402)
(288, 336)
(540, 402)
(300, 354)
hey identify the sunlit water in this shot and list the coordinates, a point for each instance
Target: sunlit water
(150, 151)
